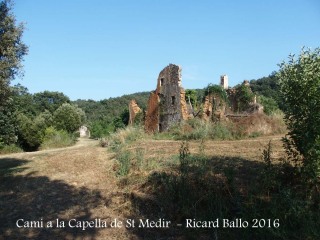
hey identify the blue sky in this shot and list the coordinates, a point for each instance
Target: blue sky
(106, 48)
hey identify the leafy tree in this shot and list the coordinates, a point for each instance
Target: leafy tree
(50, 101)
(12, 50)
(7, 125)
(48, 118)
(123, 120)
(300, 87)
(191, 95)
(68, 117)
(23, 101)
(100, 129)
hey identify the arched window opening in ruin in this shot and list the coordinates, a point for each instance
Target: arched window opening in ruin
(161, 81)
(173, 100)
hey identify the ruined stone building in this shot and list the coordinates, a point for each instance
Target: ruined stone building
(214, 108)
(167, 104)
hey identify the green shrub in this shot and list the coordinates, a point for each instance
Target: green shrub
(12, 148)
(54, 138)
(219, 131)
(101, 129)
(125, 136)
(31, 131)
(300, 87)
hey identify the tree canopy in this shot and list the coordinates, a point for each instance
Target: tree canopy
(300, 87)
(69, 117)
(12, 51)
(50, 101)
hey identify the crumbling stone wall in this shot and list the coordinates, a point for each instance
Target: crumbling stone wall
(134, 109)
(232, 96)
(186, 108)
(166, 104)
(207, 109)
(213, 108)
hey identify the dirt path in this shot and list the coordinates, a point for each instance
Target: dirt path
(81, 142)
(77, 182)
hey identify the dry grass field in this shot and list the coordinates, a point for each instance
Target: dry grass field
(80, 182)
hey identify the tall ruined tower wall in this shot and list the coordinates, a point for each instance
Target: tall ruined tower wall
(167, 103)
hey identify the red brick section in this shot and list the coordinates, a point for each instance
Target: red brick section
(152, 115)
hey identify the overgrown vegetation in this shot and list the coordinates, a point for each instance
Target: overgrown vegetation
(270, 106)
(12, 148)
(195, 185)
(57, 138)
(119, 142)
(268, 87)
(244, 96)
(197, 129)
(300, 87)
